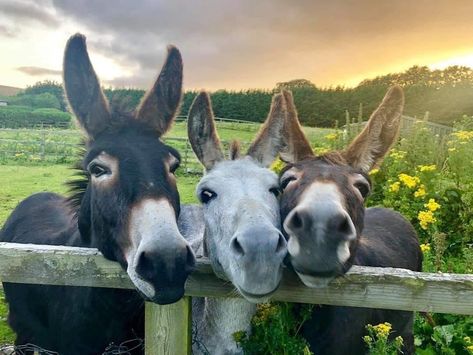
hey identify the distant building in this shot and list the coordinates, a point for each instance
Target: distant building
(3, 103)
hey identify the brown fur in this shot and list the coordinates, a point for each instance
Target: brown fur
(202, 133)
(83, 88)
(269, 140)
(161, 103)
(235, 150)
(296, 145)
(381, 131)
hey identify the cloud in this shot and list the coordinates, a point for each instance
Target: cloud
(38, 71)
(31, 11)
(7, 31)
(247, 43)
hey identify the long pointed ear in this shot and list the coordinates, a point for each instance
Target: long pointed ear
(269, 141)
(83, 88)
(160, 104)
(296, 145)
(202, 133)
(380, 133)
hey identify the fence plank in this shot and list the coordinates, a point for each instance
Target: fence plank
(168, 329)
(384, 288)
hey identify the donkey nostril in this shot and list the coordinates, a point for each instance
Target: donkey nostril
(145, 265)
(344, 225)
(296, 221)
(282, 245)
(236, 246)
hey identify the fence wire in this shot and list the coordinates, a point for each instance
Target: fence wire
(128, 347)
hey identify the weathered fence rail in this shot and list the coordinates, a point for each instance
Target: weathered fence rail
(384, 288)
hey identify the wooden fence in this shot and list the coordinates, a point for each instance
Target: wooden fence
(168, 328)
(60, 145)
(407, 125)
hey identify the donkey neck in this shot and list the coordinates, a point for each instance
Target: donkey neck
(221, 319)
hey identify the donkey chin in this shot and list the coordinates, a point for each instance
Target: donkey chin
(262, 284)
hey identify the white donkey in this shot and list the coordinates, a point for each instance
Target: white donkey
(241, 235)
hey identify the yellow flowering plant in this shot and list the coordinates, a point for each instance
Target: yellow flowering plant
(378, 341)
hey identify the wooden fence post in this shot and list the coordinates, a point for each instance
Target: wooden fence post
(168, 329)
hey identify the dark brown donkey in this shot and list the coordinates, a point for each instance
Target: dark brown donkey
(126, 205)
(329, 229)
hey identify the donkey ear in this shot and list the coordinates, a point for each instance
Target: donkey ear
(269, 141)
(381, 131)
(202, 133)
(160, 104)
(83, 88)
(296, 146)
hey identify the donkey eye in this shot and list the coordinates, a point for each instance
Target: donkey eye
(363, 188)
(286, 182)
(173, 168)
(207, 195)
(97, 170)
(275, 191)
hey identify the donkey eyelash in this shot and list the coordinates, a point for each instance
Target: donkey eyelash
(97, 170)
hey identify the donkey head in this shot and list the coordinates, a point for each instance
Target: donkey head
(129, 203)
(240, 201)
(322, 204)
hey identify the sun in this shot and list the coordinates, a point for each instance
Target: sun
(465, 60)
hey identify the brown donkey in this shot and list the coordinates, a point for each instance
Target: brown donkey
(329, 229)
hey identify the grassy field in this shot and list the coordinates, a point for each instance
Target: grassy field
(53, 146)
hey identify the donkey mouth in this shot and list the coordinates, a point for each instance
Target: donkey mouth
(257, 297)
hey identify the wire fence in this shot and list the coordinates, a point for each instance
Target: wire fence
(61, 146)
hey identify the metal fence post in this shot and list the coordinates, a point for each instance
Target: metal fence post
(168, 329)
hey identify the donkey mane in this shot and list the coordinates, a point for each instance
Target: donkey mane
(235, 150)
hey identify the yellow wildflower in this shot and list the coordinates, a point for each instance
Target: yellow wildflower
(409, 181)
(463, 135)
(470, 348)
(331, 136)
(452, 149)
(374, 172)
(394, 187)
(427, 167)
(432, 205)
(398, 154)
(425, 218)
(420, 191)
(383, 329)
(321, 150)
(425, 248)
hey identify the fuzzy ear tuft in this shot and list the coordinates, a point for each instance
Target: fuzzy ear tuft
(160, 104)
(369, 148)
(269, 140)
(202, 132)
(83, 88)
(296, 145)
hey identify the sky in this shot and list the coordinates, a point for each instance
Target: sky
(235, 44)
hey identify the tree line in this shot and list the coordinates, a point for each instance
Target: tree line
(446, 94)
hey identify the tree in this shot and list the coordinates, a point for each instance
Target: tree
(47, 87)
